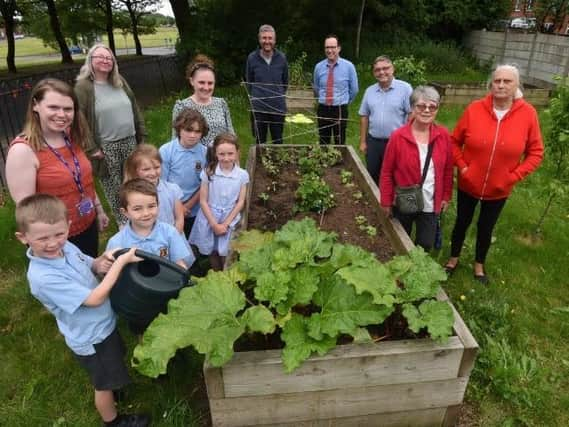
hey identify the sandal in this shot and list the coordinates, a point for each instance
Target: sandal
(449, 269)
(482, 279)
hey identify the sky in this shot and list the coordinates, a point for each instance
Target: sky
(166, 8)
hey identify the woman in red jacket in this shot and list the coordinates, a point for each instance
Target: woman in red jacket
(496, 143)
(404, 164)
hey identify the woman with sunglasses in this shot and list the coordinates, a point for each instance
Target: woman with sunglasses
(201, 76)
(496, 143)
(419, 154)
(114, 118)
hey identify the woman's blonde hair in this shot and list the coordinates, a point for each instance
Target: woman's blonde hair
(78, 131)
(142, 151)
(87, 73)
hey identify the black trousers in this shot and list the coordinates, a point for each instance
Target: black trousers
(88, 240)
(261, 123)
(332, 121)
(374, 156)
(425, 227)
(489, 213)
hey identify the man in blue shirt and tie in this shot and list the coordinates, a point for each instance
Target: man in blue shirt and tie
(385, 107)
(335, 86)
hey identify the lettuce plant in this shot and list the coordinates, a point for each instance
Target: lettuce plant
(302, 284)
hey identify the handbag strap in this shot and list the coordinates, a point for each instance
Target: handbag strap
(427, 161)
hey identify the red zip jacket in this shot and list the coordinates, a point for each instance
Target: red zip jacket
(493, 150)
(402, 164)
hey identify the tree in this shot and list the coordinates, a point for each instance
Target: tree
(554, 10)
(8, 10)
(182, 15)
(557, 146)
(136, 10)
(57, 33)
(107, 7)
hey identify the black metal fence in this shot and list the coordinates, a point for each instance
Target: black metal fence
(151, 78)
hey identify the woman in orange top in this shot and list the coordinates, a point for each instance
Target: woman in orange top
(496, 143)
(48, 158)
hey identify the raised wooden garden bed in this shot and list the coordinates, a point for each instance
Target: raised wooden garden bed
(464, 94)
(415, 382)
(300, 100)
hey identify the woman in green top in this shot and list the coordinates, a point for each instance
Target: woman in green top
(113, 116)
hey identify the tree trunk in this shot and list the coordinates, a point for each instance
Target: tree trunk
(56, 28)
(8, 9)
(360, 28)
(134, 26)
(109, 25)
(181, 9)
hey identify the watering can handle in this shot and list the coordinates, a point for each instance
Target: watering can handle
(151, 257)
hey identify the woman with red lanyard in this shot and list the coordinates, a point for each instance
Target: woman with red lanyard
(47, 157)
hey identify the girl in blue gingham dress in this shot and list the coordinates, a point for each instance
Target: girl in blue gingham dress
(222, 197)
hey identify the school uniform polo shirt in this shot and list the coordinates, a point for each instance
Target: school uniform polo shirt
(387, 109)
(168, 194)
(164, 241)
(62, 285)
(183, 166)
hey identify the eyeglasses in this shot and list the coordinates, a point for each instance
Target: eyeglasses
(425, 107)
(330, 47)
(103, 58)
(384, 69)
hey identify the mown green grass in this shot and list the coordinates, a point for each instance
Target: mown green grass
(521, 374)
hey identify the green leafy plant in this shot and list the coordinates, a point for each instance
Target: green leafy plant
(297, 75)
(358, 195)
(314, 194)
(557, 146)
(302, 285)
(410, 70)
(264, 197)
(346, 177)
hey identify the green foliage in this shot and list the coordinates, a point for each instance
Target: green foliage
(410, 70)
(297, 74)
(345, 177)
(341, 289)
(314, 194)
(557, 146)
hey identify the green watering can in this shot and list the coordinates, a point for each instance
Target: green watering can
(144, 288)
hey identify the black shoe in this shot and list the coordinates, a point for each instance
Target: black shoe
(449, 269)
(482, 279)
(129, 420)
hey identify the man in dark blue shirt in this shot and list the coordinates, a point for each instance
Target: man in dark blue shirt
(266, 76)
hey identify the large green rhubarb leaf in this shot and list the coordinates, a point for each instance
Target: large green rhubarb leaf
(251, 239)
(203, 316)
(304, 282)
(299, 346)
(259, 319)
(301, 242)
(420, 278)
(436, 316)
(342, 310)
(369, 277)
(273, 286)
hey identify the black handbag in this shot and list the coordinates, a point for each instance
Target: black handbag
(409, 200)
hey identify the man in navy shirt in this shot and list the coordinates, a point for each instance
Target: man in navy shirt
(335, 86)
(266, 74)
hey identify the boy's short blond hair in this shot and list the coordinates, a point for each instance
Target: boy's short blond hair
(136, 185)
(39, 208)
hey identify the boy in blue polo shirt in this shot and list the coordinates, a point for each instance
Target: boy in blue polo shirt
(184, 158)
(61, 278)
(139, 203)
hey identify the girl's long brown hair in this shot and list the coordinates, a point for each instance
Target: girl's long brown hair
(78, 131)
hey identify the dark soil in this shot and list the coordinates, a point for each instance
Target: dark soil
(272, 214)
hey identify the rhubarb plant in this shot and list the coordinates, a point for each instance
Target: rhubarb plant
(300, 283)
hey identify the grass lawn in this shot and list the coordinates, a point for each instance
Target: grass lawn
(521, 320)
